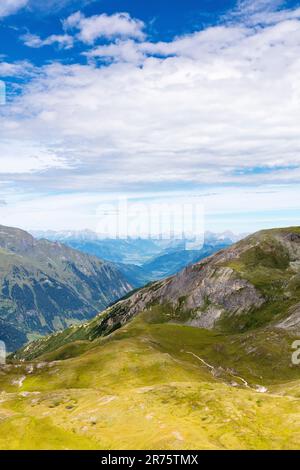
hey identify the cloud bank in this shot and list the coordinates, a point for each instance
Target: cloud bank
(221, 105)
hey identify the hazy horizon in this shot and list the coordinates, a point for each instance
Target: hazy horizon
(127, 100)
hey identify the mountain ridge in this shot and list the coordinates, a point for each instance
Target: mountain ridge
(45, 286)
(254, 283)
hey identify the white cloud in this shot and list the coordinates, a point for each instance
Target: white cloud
(105, 26)
(275, 17)
(19, 69)
(250, 7)
(120, 51)
(32, 40)
(226, 100)
(9, 7)
(194, 46)
(262, 12)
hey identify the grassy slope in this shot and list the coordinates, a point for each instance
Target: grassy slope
(267, 266)
(141, 388)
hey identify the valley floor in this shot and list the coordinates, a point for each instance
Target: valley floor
(141, 388)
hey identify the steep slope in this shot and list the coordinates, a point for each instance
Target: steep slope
(166, 264)
(47, 286)
(255, 283)
(12, 337)
(172, 262)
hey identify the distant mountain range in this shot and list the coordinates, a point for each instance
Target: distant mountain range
(131, 250)
(46, 286)
(143, 260)
(127, 251)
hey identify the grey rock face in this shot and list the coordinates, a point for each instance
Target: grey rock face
(292, 322)
(206, 319)
(207, 290)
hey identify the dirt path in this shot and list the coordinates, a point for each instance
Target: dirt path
(260, 389)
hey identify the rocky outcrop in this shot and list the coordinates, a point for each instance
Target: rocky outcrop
(207, 291)
(292, 322)
(255, 273)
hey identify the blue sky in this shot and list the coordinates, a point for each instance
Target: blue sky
(152, 100)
